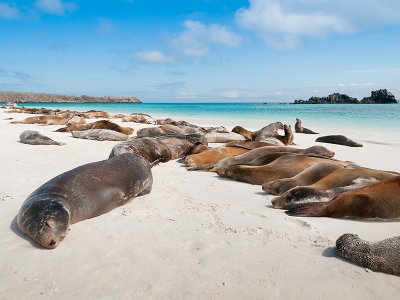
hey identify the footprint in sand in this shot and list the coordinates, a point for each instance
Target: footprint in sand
(298, 223)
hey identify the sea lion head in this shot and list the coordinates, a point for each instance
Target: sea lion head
(46, 222)
(293, 195)
(319, 150)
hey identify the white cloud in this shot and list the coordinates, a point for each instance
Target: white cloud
(284, 27)
(196, 39)
(355, 84)
(382, 70)
(9, 12)
(55, 7)
(154, 57)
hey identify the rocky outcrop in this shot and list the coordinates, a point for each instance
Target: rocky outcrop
(380, 97)
(50, 98)
(377, 97)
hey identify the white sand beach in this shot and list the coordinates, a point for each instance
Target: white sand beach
(195, 236)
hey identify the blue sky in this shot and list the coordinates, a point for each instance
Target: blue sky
(201, 50)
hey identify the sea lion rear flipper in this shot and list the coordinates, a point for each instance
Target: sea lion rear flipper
(314, 209)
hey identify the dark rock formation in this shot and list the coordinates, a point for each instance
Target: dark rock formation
(377, 97)
(47, 98)
(380, 97)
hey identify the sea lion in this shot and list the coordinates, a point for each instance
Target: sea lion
(75, 119)
(270, 130)
(248, 135)
(286, 139)
(307, 177)
(164, 129)
(223, 137)
(332, 184)
(338, 139)
(35, 138)
(94, 114)
(103, 124)
(100, 135)
(283, 167)
(299, 129)
(252, 155)
(46, 120)
(382, 256)
(377, 201)
(149, 148)
(212, 155)
(138, 118)
(82, 193)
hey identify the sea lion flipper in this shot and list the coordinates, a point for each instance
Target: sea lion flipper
(314, 209)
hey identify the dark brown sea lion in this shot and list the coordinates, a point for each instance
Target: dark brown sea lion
(299, 129)
(283, 167)
(331, 185)
(103, 124)
(260, 152)
(94, 114)
(149, 148)
(382, 256)
(338, 139)
(35, 138)
(380, 200)
(307, 177)
(82, 193)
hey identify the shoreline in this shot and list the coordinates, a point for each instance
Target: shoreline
(192, 225)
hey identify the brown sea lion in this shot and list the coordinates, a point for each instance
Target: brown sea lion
(286, 139)
(47, 120)
(338, 139)
(382, 256)
(248, 135)
(378, 201)
(212, 155)
(75, 119)
(94, 114)
(260, 152)
(299, 129)
(307, 177)
(149, 148)
(35, 138)
(103, 124)
(82, 193)
(283, 167)
(331, 185)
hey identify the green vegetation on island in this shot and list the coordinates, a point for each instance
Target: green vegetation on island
(19, 97)
(377, 97)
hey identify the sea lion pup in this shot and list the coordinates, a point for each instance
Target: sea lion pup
(138, 118)
(329, 186)
(100, 135)
(382, 256)
(283, 167)
(307, 177)
(260, 152)
(377, 201)
(103, 124)
(35, 138)
(286, 139)
(299, 129)
(149, 148)
(82, 193)
(94, 114)
(248, 135)
(338, 139)
(46, 120)
(223, 137)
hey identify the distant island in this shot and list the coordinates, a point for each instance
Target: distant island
(19, 97)
(377, 97)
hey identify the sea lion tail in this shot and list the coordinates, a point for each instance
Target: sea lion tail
(315, 209)
(63, 129)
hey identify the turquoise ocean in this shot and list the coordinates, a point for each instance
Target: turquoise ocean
(368, 122)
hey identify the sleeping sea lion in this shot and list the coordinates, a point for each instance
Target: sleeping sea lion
(35, 138)
(382, 256)
(82, 193)
(46, 120)
(331, 185)
(338, 139)
(378, 201)
(100, 135)
(103, 124)
(94, 114)
(138, 118)
(299, 129)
